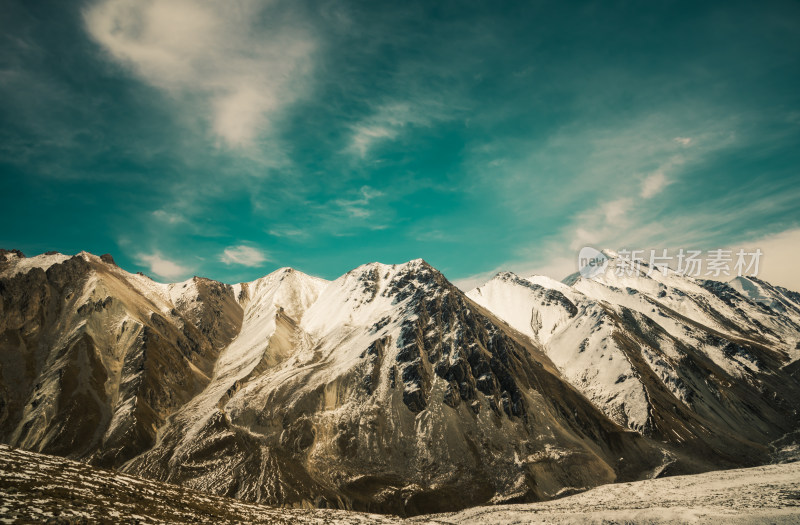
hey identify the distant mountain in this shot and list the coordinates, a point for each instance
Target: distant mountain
(388, 389)
(692, 363)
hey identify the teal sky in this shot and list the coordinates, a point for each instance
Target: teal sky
(227, 139)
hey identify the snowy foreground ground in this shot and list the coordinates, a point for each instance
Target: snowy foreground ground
(46, 489)
(769, 494)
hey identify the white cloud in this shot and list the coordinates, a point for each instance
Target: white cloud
(630, 219)
(653, 184)
(292, 233)
(389, 120)
(169, 217)
(618, 214)
(210, 49)
(637, 229)
(359, 208)
(781, 252)
(162, 267)
(244, 255)
(658, 180)
(364, 136)
(614, 212)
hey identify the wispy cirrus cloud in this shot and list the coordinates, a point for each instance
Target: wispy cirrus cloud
(634, 226)
(215, 51)
(359, 207)
(243, 255)
(653, 184)
(389, 120)
(618, 193)
(656, 181)
(169, 217)
(288, 233)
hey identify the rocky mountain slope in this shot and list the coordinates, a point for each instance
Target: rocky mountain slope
(388, 389)
(94, 359)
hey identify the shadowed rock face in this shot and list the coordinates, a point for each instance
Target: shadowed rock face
(214, 311)
(387, 390)
(9, 254)
(91, 368)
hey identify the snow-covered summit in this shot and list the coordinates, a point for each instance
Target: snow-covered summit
(16, 263)
(620, 337)
(358, 296)
(576, 333)
(759, 291)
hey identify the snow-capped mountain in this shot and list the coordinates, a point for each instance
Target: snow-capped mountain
(391, 393)
(566, 324)
(688, 362)
(388, 389)
(94, 358)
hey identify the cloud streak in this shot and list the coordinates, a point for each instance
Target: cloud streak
(359, 208)
(389, 121)
(243, 255)
(653, 184)
(658, 180)
(634, 216)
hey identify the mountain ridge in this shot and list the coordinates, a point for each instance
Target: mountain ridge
(644, 313)
(388, 389)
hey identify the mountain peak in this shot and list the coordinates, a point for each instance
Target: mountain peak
(413, 263)
(377, 272)
(505, 276)
(10, 254)
(417, 262)
(15, 262)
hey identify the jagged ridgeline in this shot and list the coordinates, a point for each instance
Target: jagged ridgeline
(388, 389)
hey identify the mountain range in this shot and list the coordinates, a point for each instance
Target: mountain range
(390, 390)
